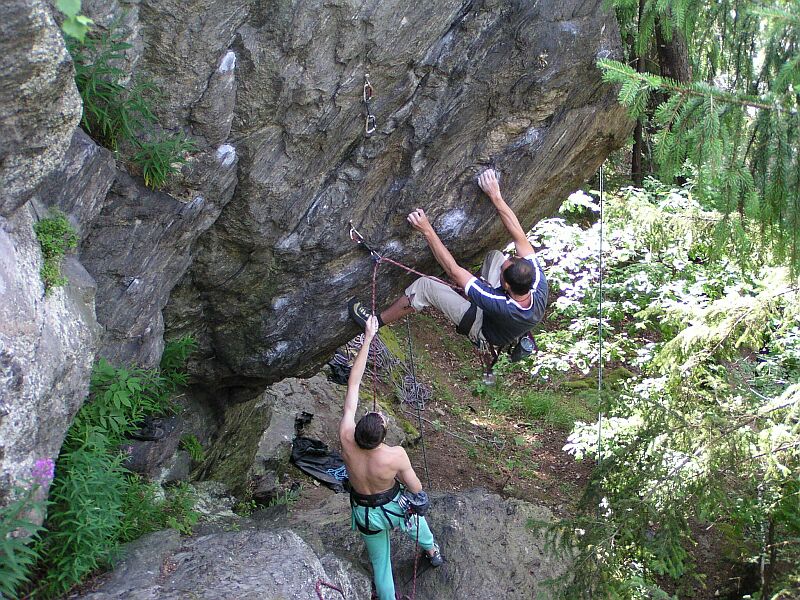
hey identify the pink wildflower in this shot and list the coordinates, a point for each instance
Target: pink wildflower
(43, 471)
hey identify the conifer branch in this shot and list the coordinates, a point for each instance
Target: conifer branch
(616, 72)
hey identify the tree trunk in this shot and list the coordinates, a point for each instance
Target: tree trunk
(673, 56)
(637, 175)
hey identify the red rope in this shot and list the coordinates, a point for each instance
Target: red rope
(458, 288)
(320, 583)
(375, 356)
(357, 237)
(416, 560)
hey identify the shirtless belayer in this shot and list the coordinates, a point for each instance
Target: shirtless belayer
(382, 481)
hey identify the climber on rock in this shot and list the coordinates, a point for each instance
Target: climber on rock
(378, 501)
(504, 303)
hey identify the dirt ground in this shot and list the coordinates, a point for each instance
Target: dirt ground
(467, 444)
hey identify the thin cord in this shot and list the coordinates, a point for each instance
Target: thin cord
(600, 333)
(419, 411)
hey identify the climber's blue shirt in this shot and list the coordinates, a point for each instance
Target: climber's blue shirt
(504, 320)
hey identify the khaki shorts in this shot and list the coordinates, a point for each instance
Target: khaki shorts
(428, 292)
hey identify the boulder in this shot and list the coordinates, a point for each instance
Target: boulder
(47, 347)
(488, 547)
(39, 103)
(156, 452)
(251, 451)
(458, 86)
(247, 565)
(139, 246)
(489, 551)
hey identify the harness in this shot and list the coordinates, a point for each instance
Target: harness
(489, 353)
(375, 501)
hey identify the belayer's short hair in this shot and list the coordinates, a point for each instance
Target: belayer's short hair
(370, 431)
(519, 275)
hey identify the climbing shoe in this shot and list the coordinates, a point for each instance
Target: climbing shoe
(360, 313)
(435, 559)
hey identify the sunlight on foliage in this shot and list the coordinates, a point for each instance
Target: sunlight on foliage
(705, 435)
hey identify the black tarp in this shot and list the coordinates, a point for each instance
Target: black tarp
(314, 458)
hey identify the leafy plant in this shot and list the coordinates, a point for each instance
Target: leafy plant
(75, 25)
(173, 360)
(245, 508)
(18, 531)
(112, 112)
(286, 498)
(117, 114)
(715, 89)
(96, 503)
(83, 523)
(702, 347)
(146, 508)
(162, 158)
(192, 445)
(56, 236)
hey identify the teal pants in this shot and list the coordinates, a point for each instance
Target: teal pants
(382, 520)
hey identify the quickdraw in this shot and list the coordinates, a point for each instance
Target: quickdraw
(379, 258)
(369, 126)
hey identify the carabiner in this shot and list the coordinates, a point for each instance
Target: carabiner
(367, 88)
(369, 126)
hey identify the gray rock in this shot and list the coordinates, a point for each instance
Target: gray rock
(47, 346)
(39, 103)
(148, 456)
(213, 114)
(247, 565)
(488, 549)
(139, 568)
(184, 42)
(489, 553)
(137, 247)
(178, 467)
(252, 450)
(79, 188)
(214, 502)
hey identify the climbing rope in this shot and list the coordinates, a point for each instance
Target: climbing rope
(379, 258)
(416, 553)
(414, 393)
(411, 387)
(321, 583)
(374, 362)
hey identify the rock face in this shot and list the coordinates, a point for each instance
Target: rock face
(459, 86)
(251, 452)
(489, 550)
(489, 553)
(250, 565)
(248, 249)
(47, 345)
(39, 103)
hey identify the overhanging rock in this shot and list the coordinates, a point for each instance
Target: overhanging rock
(458, 87)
